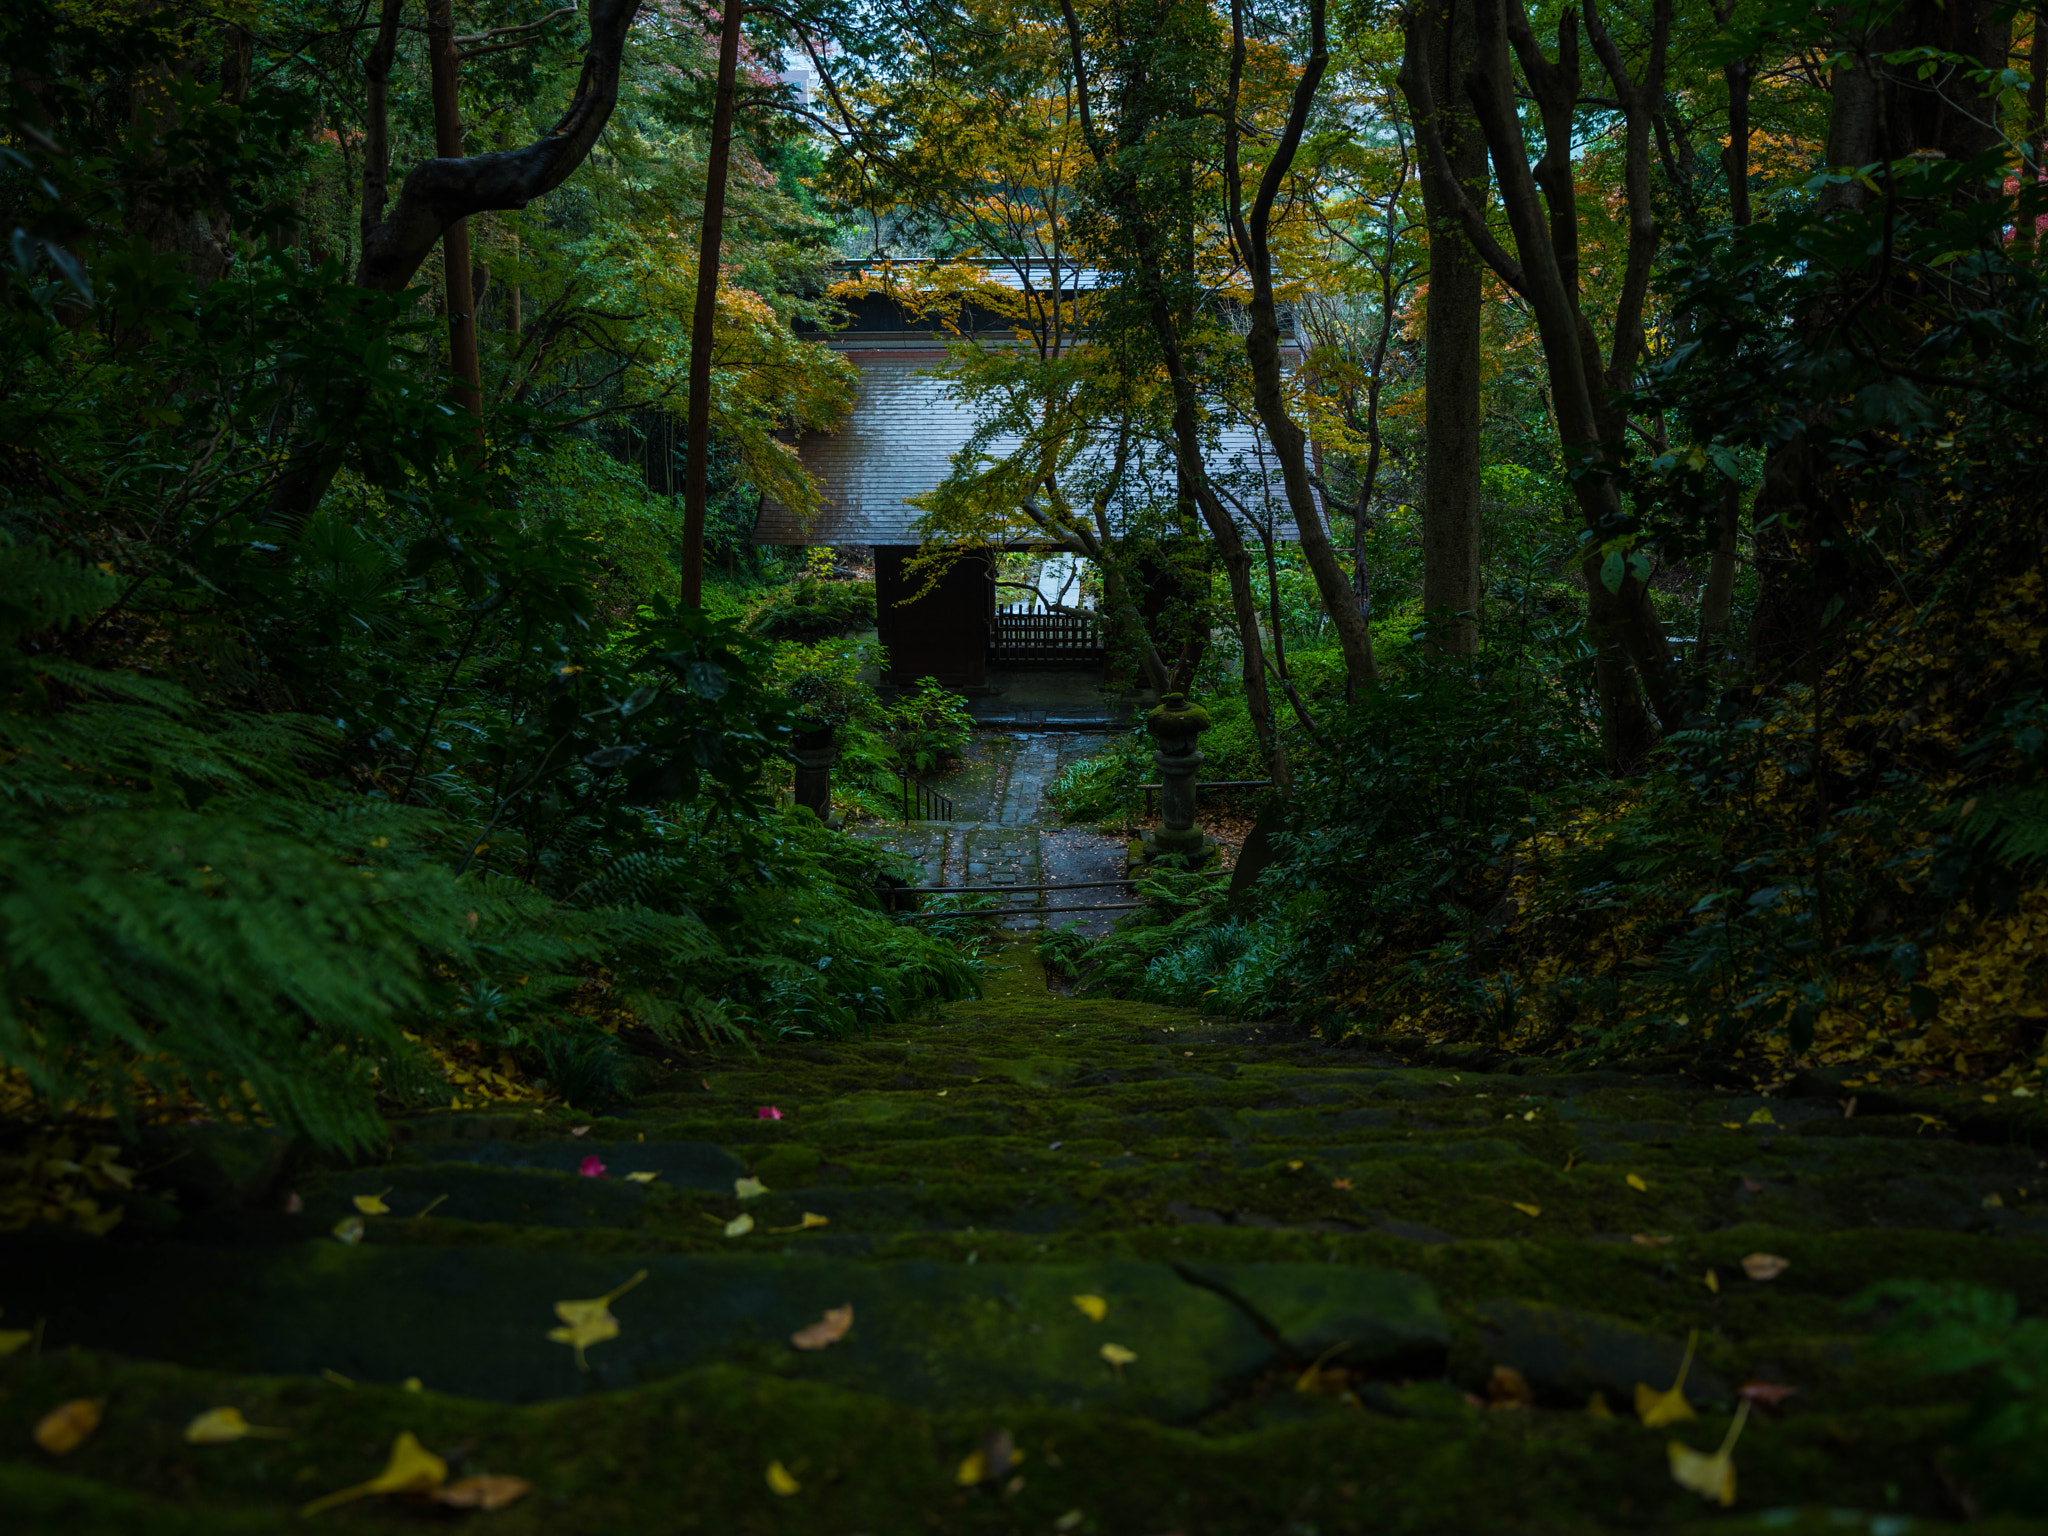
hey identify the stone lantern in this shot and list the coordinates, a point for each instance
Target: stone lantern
(1174, 725)
(815, 749)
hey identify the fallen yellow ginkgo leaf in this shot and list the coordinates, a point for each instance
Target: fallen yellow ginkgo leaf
(590, 1322)
(1635, 1182)
(1762, 1117)
(1711, 1477)
(973, 1469)
(740, 1225)
(642, 1178)
(1660, 1408)
(748, 1188)
(68, 1425)
(779, 1480)
(1094, 1308)
(412, 1469)
(485, 1491)
(1322, 1379)
(1118, 1357)
(1528, 1210)
(811, 1219)
(373, 1205)
(349, 1230)
(217, 1426)
(827, 1330)
(1765, 1266)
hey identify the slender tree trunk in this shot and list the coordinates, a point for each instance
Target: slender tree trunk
(515, 296)
(696, 489)
(1719, 597)
(1230, 548)
(1262, 345)
(1621, 619)
(1718, 600)
(457, 273)
(1445, 49)
(1143, 223)
(377, 118)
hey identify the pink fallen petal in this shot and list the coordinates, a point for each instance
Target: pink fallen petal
(592, 1168)
(768, 1112)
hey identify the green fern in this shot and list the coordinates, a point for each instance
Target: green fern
(2012, 823)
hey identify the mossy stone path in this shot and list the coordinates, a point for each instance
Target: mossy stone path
(1256, 1210)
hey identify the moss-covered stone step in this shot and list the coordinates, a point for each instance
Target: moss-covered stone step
(692, 1453)
(475, 1320)
(1328, 1272)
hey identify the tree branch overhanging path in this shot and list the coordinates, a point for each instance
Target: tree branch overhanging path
(438, 192)
(438, 195)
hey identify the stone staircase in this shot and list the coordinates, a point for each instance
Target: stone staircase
(1112, 1269)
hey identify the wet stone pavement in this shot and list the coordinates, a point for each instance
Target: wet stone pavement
(1096, 1267)
(1004, 833)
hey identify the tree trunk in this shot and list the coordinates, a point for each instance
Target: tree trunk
(515, 297)
(377, 119)
(1445, 45)
(1583, 394)
(456, 272)
(1142, 221)
(1229, 541)
(711, 238)
(1262, 345)
(1719, 597)
(1879, 112)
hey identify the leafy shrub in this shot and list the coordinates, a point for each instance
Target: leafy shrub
(1102, 790)
(822, 681)
(812, 608)
(929, 727)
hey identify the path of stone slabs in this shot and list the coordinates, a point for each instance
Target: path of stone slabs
(1156, 1276)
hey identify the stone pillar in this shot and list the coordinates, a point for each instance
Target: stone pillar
(1174, 725)
(815, 752)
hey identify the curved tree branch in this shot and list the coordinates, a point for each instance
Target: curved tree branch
(438, 192)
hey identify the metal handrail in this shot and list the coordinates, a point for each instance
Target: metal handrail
(1040, 912)
(920, 796)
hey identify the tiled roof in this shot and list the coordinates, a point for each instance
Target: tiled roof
(899, 441)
